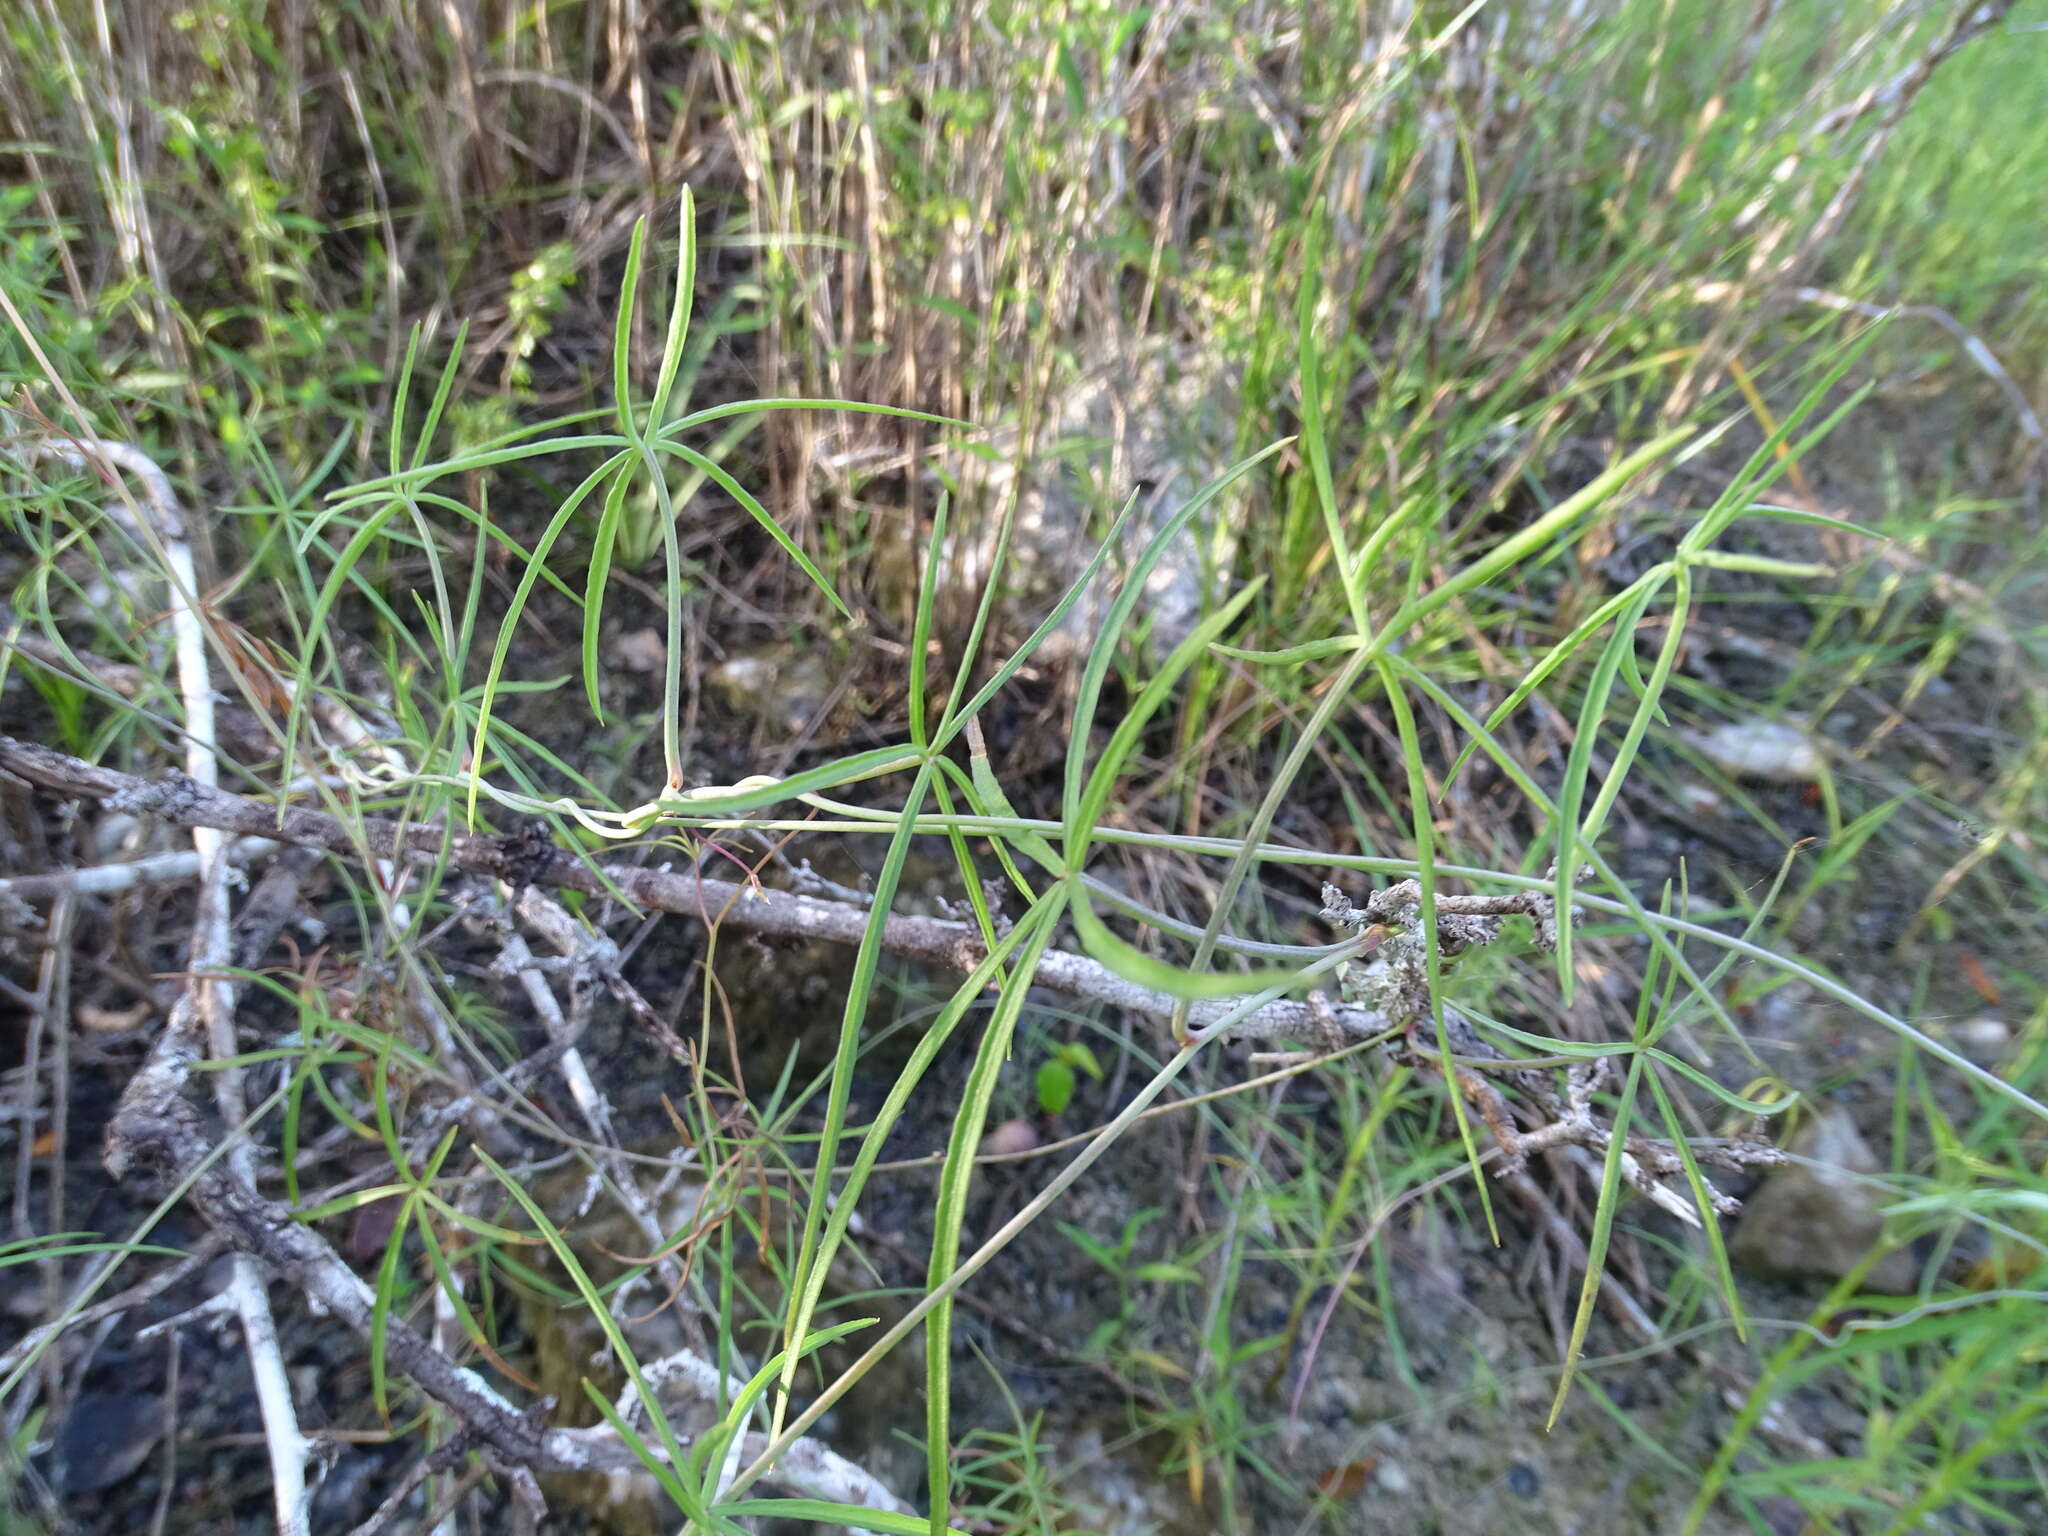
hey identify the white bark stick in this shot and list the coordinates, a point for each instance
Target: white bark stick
(207, 1008)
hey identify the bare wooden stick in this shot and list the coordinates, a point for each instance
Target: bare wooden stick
(206, 1009)
(128, 874)
(523, 860)
(159, 1129)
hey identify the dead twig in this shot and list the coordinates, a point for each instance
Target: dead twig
(130, 874)
(158, 1129)
(518, 859)
(203, 1018)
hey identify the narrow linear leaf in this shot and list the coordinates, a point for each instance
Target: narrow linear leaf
(1094, 797)
(858, 1516)
(1426, 874)
(1103, 650)
(1134, 965)
(679, 313)
(1602, 1233)
(669, 1471)
(814, 1257)
(955, 1177)
(739, 493)
(601, 545)
(1578, 765)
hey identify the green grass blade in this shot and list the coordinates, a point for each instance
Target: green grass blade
(1703, 1202)
(1313, 442)
(1094, 797)
(1597, 1241)
(990, 795)
(739, 493)
(710, 805)
(1658, 933)
(921, 624)
(712, 413)
(1821, 521)
(819, 1512)
(1103, 650)
(711, 1447)
(509, 625)
(1592, 715)
(624, 308)
(665, 1472)
(1759, 1108)
(451, 370)
(603, 541)
(955, 1177)
(991, 591)
(1559, 654)
(813, 1258)
(1309, 650)
(382, 1296)
(1134, 965)
(1545, 531)
(1426, 875)
(679, 313)
(1100, 1143)
(685, 1497)
(1772, 456)
(957, 716)
(992, 970)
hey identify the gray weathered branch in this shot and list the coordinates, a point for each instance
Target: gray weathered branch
(522, 861)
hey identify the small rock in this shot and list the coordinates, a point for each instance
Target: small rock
(1336, 1396)
(1010, 1138)
(778, 684)
(1523, 1482)
(106, 1439)
(638, 650)
(1699, 800)
(1761, 749)
(1983, 1037)
(1816, 1219)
